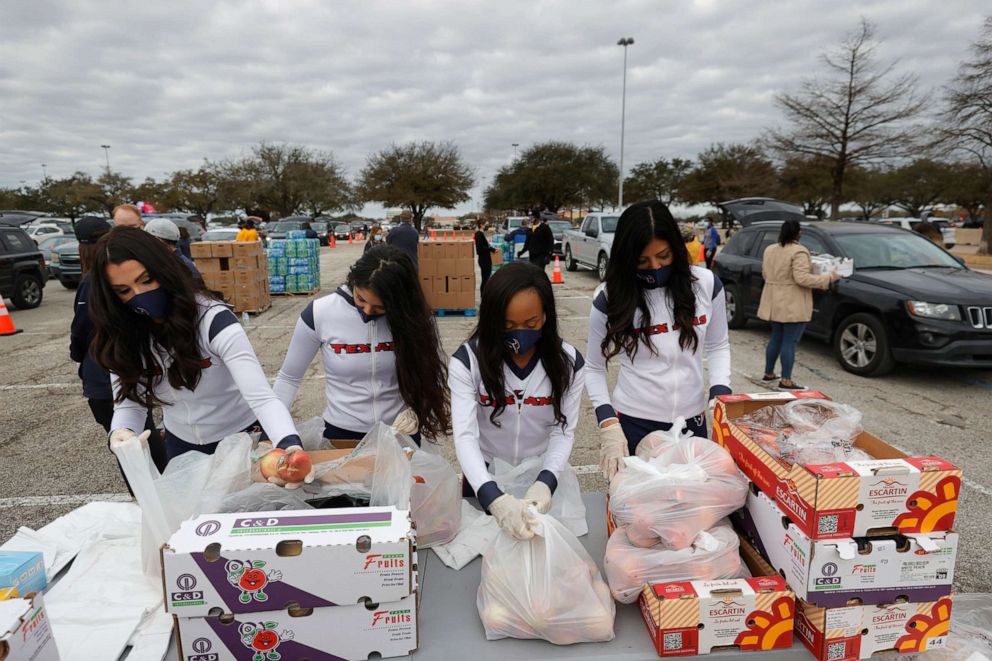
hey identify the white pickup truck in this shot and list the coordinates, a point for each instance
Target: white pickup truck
(590, 244)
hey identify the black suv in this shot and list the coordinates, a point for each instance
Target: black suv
(22, 268)
(908, 301)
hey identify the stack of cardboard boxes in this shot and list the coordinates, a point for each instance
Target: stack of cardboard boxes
(866, 545)
(447, 274)
(294, 265)
(236, 269)
(314, 584)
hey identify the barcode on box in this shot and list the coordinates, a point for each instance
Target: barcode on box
(836, 651)
(827, 525)
(673, 641)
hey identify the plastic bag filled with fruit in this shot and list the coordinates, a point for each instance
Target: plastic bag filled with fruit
(687, 487)
(546, 587)
(713, 555)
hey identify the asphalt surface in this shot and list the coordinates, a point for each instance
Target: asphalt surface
(53, 456)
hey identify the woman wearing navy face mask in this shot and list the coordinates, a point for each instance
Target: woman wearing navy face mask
(167, 342)
(380, 351)
(515, 393)
(659, 317)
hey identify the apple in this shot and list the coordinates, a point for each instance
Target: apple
(269, 463)
(295, 467)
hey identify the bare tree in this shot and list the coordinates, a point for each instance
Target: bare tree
(857, 114)
(968, 118)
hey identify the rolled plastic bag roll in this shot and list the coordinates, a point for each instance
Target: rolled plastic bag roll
(546, 587)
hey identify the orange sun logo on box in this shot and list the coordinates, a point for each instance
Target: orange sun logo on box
(765, 629)
(931, 511)
(924, 628)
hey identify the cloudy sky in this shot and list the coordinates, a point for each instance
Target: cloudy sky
(167, 84)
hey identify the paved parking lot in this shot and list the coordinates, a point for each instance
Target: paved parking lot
(53, 456)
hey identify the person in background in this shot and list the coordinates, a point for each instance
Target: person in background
(516, 388)
(659, 317)
(484, 252)
(166, 341)
(376, 237)
(523, 231)
(309, 231)
(96, 380)
(183, 245)
(404, 236)
(930, 231)
(711, 239)
(692, 245)
(166, 231)
(127, 215)
(787, 300)
(542, 241)
(248, 232)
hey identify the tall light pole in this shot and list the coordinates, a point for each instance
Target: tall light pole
(106, 149)
(515, 145)
(625, 41)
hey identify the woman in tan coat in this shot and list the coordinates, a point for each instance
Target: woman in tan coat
(787, 300)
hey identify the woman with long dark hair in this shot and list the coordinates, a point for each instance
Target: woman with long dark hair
(380, 349)
(167, 342)
(787, 300)
(515, 393)
(659, 316)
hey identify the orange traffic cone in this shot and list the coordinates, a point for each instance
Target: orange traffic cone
(350, 240)
(433, 235)
(464, 235)
(334, 243)
(6, 323)
(556, 274)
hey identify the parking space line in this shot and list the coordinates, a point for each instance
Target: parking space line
(39, 386)
(65, 499)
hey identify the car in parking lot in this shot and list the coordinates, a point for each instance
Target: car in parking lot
(221, 234)
(38, 231)
(908, 301)
(323, 230)
(22, 268)
(558, 228)
(949, 233)
(47, 247)
(342, 231)
(591, 244)
(280, 228)
(65, 266)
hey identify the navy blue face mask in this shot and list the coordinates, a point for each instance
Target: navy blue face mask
(154, 303)
(654, 278)
(521, 340)
(366, 318)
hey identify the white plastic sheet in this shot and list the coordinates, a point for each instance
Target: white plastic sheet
(566, 504)
(476, 532)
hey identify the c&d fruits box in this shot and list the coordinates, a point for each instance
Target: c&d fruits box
(267, 561)
(26, 631)
(843, 499)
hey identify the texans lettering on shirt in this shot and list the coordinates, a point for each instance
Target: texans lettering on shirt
(658, 329)
(486, 400)
(360, 348)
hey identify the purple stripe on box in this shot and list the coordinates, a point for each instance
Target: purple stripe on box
(319, 519)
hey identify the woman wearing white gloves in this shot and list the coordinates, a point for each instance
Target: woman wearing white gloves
(167, 342)
(515, 393)
(659, 317)
(380, 350)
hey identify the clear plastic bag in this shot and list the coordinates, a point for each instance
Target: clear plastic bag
(566, 504)
(656, 441)
(713, 555)
(687, 487)
(807, 431)
(546, 587)
(436, 499)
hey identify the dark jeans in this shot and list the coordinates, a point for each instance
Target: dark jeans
(782, 343)
(486, 269)
(636, 429)
(708, 255)
(333, 433)
(540, 261)
(103, 413)
(175, 446)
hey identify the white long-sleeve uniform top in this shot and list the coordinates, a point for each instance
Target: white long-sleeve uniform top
(232, 392)
(667, 384)
(360, 383)
(527, 424)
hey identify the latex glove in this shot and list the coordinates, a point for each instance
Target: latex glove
(612, 449)
(406, 422)
(512, 516)
(123, 435)
(275, 479)
(539, 495)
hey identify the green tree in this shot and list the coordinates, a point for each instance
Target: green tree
(195, 191)
(859, 112)
(968, 188)
(868, 189)
(659, 180)
(154, 193)
(918, 186)
(729, 171)
(72, 196)
(806, 180)
(416, 176)
(967, 119)
(114, 188)
(555, 175)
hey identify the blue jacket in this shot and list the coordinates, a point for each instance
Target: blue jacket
(96, 380)
(710, 238)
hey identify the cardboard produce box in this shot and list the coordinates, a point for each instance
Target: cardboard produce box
(350, 632)
(686, 618)
(26, 631)
(263, 561)
(23, 571)
(891, 493)
(858, 632)
(872, 570)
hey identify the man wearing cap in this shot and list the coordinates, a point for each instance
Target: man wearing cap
(166, 231)
(127, 215)
(404, 236)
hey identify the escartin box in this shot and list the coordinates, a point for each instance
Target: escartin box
(222, 248)
(264, 561)
(890, 493)
(245, 263)
(211, 264)
(245, 248)
(201, 250)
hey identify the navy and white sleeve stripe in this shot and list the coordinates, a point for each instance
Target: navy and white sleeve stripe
(221, 320)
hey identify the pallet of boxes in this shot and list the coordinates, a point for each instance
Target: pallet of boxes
(862, 533)
(294, 264)
(238, 270)
(447, 276)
